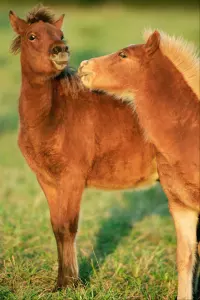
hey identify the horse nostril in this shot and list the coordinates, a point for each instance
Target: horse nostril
(66, 49)
(56, 50)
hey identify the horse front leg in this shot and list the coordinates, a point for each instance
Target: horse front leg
(185, 220)
(64, 203)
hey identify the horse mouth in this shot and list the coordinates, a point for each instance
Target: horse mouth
(59, 64)
(84, 74)
(86, 78)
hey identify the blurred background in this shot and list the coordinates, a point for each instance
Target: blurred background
(126, 242)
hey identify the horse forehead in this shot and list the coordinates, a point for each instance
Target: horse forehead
(132, 47)
(135, 49)
(43, 27)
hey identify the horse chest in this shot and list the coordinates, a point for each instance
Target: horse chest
(178, 184)
(43, 158)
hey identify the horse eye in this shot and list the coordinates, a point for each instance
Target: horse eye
(32, 37)
(122, 54)
(62, 37)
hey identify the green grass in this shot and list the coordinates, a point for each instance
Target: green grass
(126, 241)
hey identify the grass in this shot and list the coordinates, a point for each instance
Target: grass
(126, 241)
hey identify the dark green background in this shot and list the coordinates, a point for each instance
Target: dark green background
(185, 3)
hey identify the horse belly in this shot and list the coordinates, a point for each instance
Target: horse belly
(128, 172)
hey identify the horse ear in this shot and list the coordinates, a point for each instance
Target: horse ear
(59, 22)
(18, 25)
(152, 43)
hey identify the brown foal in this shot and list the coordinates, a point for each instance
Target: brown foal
(161, 79)
(70, 137)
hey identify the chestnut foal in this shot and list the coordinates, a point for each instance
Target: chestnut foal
(70, 137)
(161, 79)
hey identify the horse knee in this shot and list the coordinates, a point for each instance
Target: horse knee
(65, 228)
(185, 259)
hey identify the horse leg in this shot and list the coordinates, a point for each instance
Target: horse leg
(64, 204)
(185, 220)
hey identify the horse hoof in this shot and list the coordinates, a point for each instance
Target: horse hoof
(56, 289)
(68, 283)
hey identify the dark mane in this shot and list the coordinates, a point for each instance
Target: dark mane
(70, 82)
(38, 13)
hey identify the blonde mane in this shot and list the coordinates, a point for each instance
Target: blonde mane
(183, 55)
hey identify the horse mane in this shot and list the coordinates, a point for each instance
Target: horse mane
(70, 82)
(36, 14)
(183, 55)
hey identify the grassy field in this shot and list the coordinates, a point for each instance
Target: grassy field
(126, 241)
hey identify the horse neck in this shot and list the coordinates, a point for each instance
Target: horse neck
(165, 104)
(39, 100)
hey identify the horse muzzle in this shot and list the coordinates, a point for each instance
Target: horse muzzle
(59, 55)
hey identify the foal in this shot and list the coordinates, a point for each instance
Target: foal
(161, 79)
(70, 137)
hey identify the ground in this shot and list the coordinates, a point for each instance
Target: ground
(126, 241)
